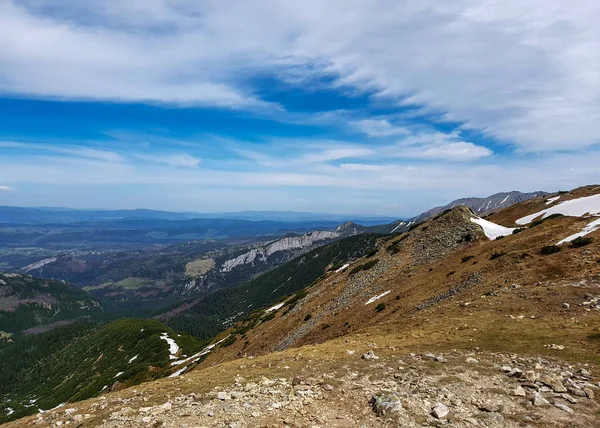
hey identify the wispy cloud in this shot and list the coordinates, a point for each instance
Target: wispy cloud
(71, 150)
(7, 189)
(184, 160)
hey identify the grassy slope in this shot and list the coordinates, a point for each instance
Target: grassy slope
(78, 361)
(516, 307)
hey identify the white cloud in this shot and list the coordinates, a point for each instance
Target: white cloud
(378, 128)
(457, 151)
(525, 71)
(177, 160)
(7, 189)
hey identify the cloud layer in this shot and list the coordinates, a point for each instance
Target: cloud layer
(525, 72)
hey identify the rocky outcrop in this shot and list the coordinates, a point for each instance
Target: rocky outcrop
(261, 254)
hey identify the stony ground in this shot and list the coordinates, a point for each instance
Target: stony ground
(370, 390)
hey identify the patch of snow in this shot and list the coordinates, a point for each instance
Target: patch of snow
(592, 227)
(133, 358)
(9, 411)
(492, 230)
(398, 227)
(343, 268)
(173, 348)
(379, 296)
(505, 199)
(554, 199)
(178, 372)
(119, 374)
(274, 308)
(573, 208)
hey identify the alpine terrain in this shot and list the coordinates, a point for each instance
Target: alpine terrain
(475, 315)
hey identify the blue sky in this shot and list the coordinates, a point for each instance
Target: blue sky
(381, 107)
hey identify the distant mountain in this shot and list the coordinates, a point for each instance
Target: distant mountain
(26, 215)
(483, 205)
(480, 206)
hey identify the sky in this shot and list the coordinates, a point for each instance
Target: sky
(383, 107)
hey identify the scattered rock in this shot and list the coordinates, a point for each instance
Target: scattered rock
(385, 404)
(553, 383)
(519, 391)
(370, 356)
(539, 400)
(472, 360)
(440, 411)
(223, 396)
(437, 358)
(563, 406)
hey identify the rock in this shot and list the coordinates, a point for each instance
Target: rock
(437, 358)
(440, 411)
(77, 418)
(564, 407)
(588, 392)
(566, 306)
(577, 392)
(554, 346)
(519, 392)
(553, 383)
(506, 369)
(530, 376)
(583, 373)
(385, 404)
(515, 373)
(296, 381)
(223, 396)
(146, 419)
(472, 360)
(370, 356)
(539, 400)
(490, 407)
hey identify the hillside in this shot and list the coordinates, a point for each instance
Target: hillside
(32, 303)
(211, 314)
(79, 361)
(461, 321)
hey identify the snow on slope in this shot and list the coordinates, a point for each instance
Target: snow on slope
(492, 230)
(343, 268)
(274, 308)
(554, 199)
(592, 227)
(574, 208)
(379, 296)
(194, 358)
(173, 348)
